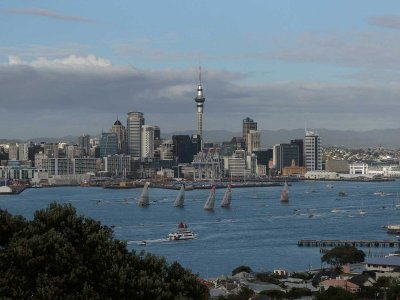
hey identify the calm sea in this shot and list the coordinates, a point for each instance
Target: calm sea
(258, 230)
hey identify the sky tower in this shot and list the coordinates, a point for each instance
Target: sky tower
(199, 104)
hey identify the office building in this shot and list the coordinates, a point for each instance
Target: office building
(120, 131)
(84, 144)
(147, 143)
(183, 148)
(253, 141)
(312, 151)
(108, 144)
(284, 154)
(135, 121)
(248, 124)
(300, 143)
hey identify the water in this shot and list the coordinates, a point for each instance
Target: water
(258, 230)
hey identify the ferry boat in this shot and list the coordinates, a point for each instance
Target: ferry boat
(182, 233)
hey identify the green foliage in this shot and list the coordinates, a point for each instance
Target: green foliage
(387, 287)
(239, 269)
(342, 255)
(295, 293)
(304, 276)
(333, 293)
(274, 294)
(59, 255)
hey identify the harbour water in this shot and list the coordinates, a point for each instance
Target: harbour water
(258, 230)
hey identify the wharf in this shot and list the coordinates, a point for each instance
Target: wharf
(217, 186)
(355, 243)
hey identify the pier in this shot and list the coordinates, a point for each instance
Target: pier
(355, 243)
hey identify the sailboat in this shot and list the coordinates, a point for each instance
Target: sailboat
(285, 193)
(210, 200)
(226, 200)
(144, 197)
(180, 198)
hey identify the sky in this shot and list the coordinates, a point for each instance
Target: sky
(74, 67)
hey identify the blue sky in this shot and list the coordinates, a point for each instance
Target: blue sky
(71, 67)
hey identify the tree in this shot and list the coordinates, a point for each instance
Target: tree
(335, 293)
(239, 269)
(342, 255)
(59, 255)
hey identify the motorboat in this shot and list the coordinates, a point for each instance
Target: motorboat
(143, 243)
(182, 233)
(393, 228)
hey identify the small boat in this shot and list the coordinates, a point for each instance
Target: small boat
(37, 186)
(393, 228)
(144, 197)
(342, 194)
(143, 243)
(180, 198)
(226, 200)
(182, 233)
(329, 186)
(361, 211)
(210, 200)
(335, 210)
(285, 193)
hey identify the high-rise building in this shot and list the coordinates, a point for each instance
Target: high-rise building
(84, 143)
(248, 124)
(108, 144)
(135, 121)
(147, 141)
(183, 148)
(284, 154)
(312, 151)
(253, 141)
(120, 131)
(300, 143)
(200, 104)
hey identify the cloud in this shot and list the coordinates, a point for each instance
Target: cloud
(41, 12)
(388, 21)
(77, 94)
(356, 49)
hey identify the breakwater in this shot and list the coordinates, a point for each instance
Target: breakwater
(355, 243)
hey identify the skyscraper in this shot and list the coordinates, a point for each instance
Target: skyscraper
(284, 154)
(253, 141)
(248, 124)
(200, 104)
(135, 121)
(312, 151)
(84, 143)
(120, 131)
(108, 144)
(147, 141)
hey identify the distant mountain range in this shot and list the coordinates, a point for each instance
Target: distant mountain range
(388, 138)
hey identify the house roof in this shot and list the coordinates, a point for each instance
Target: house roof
(339, 283)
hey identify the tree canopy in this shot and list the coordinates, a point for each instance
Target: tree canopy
(60, 255)
(239, 269)
(342, 255)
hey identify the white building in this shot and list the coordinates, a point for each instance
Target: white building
(312, 151)
(147, 141)
(321, 175)
(117, 164)
(358, 168)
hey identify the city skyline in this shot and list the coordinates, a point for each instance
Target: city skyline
(71, 69)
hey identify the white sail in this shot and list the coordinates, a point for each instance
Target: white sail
(144, 197)
(285, 193)
(226, 200)
(180, 198)
(211, 200)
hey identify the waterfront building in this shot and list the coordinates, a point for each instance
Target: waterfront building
(263, 157)
(248, 124)
(120, 131)
(358, 168)
(119, 165)
(108, 144)
(147, 143)
(312, 151)
(200, 105)
(84, 144)
(237, 164)
(337, 165)
(135, 121)
(293, 170)
(207, 165)
(284, 154)
(319, 174)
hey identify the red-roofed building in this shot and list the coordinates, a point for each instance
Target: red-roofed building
(340, 283)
